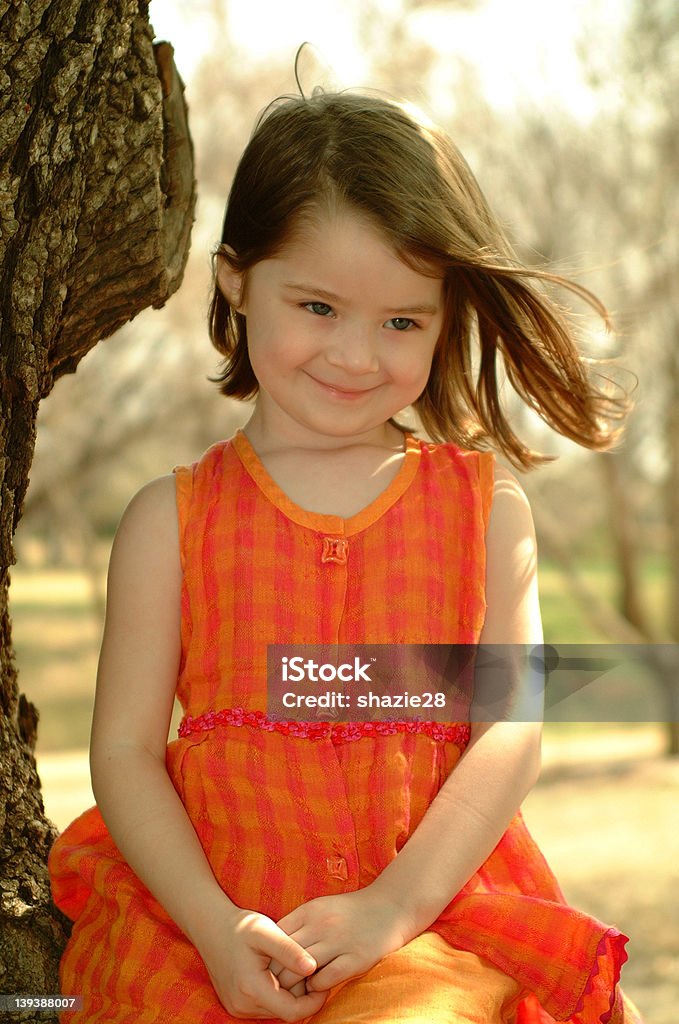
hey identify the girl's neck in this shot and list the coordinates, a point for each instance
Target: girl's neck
(340, 478)
(268, 440)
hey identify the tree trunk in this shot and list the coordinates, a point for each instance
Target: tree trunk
(96, 207)
(621, 519)
(613, 623)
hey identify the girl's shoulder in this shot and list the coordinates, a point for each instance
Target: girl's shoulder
(208, 462)
(496, 486)
(202, 485)
(154, 503)
(476, 471)
(466, 459)
(510, 536)
(507, 487)
(156, 514)
(151, 515)
(513, 607)
(206, 472)
(147, 535)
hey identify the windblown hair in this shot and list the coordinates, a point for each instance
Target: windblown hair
(310, 154)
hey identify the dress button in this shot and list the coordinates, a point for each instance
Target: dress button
(337, 868)
(335, 550)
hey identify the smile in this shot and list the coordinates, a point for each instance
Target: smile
(347, 394)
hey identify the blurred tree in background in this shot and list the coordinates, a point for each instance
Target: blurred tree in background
(97, 199)
(609, 189)
(593, 194)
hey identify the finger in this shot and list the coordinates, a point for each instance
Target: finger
(291, 1007)
(285, 951)
(338, 970)
(322, 952)
(265, 1000)
(292, 921)
(287, 979)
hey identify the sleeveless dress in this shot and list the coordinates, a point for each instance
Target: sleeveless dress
(287, 811)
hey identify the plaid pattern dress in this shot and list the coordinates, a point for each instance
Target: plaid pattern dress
(284, 814)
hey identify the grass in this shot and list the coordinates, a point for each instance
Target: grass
(604, 811)
(563, 619)
(57, 632)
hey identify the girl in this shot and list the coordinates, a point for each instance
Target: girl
(335, 871)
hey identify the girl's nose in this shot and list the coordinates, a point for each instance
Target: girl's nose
(354, 350)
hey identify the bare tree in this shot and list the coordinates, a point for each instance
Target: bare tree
(96, 207)
(606, 194)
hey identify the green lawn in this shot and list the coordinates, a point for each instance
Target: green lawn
(562, 617)
(57, 633)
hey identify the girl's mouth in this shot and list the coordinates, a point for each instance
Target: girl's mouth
(348, 394)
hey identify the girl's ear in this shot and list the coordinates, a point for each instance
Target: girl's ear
(231, 283)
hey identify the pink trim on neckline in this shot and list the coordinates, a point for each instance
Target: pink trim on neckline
(319, 521)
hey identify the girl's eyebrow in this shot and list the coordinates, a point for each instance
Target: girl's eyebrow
(312, 289)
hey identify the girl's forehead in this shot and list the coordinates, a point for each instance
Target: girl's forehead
(344, 240)
(329, 220)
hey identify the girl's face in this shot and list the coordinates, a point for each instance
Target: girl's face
(341, 332)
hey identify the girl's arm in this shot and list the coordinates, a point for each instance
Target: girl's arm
(134, 698)
(502, 761)
(475, 805)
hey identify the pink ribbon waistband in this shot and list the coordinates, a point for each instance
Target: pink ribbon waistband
(338, 732)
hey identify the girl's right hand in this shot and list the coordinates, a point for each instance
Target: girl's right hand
(239, 960)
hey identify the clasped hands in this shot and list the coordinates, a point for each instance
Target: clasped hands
(345, 934)
(285, 970)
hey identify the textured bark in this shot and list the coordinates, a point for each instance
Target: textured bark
(96, 207)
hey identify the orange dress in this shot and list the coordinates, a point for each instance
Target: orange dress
(287, 813)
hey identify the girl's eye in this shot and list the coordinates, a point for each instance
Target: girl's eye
(319, 308)
(401, 323)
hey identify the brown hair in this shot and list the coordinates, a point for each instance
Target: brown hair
(412, 183)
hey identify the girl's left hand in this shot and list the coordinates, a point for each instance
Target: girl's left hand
(346, 935)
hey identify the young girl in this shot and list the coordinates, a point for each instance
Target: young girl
(334, 870)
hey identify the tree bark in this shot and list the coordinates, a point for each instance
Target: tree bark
(96, 205)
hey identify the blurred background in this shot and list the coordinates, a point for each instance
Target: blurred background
(567, 114)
